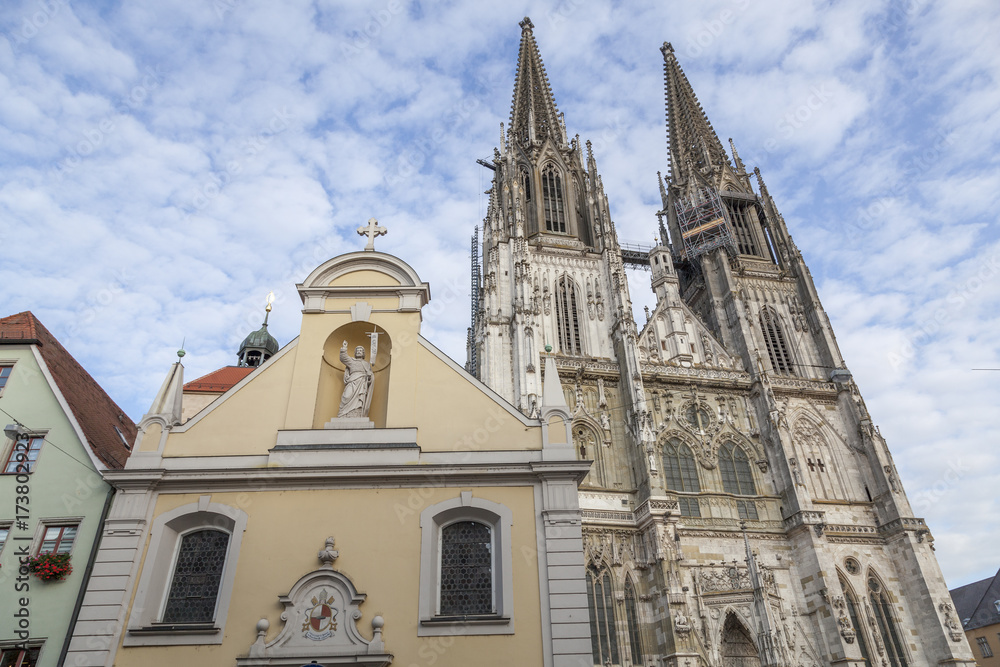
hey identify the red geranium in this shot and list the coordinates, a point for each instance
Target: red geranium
(50, 567)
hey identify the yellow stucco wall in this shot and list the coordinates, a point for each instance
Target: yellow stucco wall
(300, 390)
(244, 423)
(378, 536)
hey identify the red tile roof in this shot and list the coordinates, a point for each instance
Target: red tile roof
(220, 381)
(93, 409)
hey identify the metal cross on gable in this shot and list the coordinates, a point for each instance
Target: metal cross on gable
(371, 230)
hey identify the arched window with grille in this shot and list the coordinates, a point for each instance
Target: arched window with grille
(632, 621)
(886, 622)
(194, 585)
(734, 465)
(681, 474)
(854, 612)
(567, 317)
(777, 346)
(603, 634)
(553, 200)
(466, 569)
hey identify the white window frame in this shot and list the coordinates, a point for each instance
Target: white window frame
(167, 530)
(43, 528)
(9, 453)
(8, 526)
(433, 519)
(7, 364)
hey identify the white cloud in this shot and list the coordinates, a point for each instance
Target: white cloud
(184, 199)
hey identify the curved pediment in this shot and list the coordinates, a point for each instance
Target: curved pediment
(368, 268)
(363, 275)
(320, 624)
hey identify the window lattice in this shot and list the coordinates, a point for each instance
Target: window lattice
(681, 474)
(882, 610)
(567, 317)
(679, 467)
(984, 647)
(194, 587)
(632, 617)
(744, 225)
(466, 569)
(603, 635)
(552, 200)
(774, 340)
(852, 611)
(737, 478)
(530, 208)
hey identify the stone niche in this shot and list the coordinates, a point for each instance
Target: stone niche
(331, 377)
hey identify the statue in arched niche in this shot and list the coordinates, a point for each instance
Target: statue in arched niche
(359, 380)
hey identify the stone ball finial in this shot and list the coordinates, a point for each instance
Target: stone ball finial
(262, 625)
(378, 623)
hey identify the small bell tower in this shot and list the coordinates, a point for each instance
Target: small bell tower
(260, 345)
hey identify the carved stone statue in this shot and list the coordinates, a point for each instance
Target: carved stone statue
(358, 383)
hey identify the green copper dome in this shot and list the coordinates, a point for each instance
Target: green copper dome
(260, 339)
(258, 347)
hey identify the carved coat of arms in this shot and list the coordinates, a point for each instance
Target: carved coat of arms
(320, 619)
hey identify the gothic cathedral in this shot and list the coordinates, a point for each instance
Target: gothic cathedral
(741, 508)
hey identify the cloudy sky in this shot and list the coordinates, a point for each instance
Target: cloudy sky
(164, 165)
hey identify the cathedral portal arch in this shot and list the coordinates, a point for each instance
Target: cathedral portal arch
(736, 644)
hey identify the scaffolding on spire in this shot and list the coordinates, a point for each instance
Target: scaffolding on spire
(703, 224)
(471, 363)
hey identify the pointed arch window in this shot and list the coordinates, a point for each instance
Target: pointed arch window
(681, 474)
(567, 317)
(524, 180)
(886, 622)
(734, 465)
(603, 634)
(553, 200)
(774, 339)
(632, 620)
(854, 614)
(744, 225)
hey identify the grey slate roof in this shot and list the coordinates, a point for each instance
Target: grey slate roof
(976, 603)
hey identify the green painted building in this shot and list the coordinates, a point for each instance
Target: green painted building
(62, 432)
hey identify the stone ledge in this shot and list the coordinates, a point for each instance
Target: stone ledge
(363, 438)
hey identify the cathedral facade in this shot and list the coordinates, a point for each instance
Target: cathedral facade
(742, 507)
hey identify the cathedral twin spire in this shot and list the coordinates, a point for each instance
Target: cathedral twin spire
(533, 114)
(695, 149)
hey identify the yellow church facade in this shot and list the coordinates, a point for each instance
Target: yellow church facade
(356, 498)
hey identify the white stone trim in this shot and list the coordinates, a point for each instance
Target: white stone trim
(432, 520)
(150, 598)
(316, 288)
